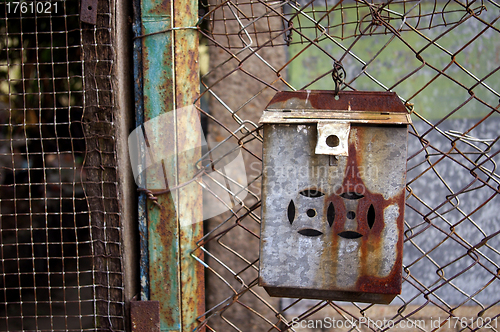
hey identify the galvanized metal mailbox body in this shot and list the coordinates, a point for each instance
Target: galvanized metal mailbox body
(333, 195)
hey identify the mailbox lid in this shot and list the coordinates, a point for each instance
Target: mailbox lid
(310, 106)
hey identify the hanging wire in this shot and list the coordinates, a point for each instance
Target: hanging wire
(338, 76)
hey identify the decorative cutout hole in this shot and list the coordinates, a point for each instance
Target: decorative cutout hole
(330, 214)
(311, 213)
(310, 232)
(313, 193)
(332, 141)
(351, 195)
(291, 212)
(351, 215)
(371, 216)
(89, 7)
(350, 235)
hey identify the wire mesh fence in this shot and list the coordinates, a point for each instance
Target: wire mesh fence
(60, 234)
(60, 256)
(442, 60)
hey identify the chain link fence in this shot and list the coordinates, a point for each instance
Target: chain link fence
(60, 237)
(60, 252)
(442, 59)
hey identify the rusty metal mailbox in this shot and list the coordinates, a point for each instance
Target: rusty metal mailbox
(333, 195)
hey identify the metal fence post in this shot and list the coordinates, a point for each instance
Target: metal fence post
(190, 214)
(170, 81)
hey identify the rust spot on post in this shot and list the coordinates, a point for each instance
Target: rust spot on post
(145, 316)
(161, 8)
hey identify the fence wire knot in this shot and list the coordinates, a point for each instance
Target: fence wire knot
(338, 76)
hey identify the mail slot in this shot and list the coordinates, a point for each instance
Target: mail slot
(333, 195)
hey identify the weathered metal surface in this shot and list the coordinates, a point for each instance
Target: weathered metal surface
(371, 101)
(309, 106)
(310, 116)
(190, 209)
(88, 11)
(145, 316)
(175, 219)
(158, 95)
(139, 120)
(333, 231)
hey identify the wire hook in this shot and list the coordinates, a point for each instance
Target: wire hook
(338, 76)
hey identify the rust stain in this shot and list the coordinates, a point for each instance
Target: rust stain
(165, 89)
(145, 316)
(375, 281)
(348, 100)
(371, 240)
(162, 8)
(166, 276)
(188, 136)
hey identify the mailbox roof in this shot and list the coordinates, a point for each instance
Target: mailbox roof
(309, 106)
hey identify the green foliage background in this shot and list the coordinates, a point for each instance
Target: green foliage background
(442, 96)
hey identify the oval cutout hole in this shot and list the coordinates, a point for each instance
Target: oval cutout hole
(291, 212)
(350, 235)
(313, 193)
(330, 214)
(371, 216)
(351, 195)
(310, 232)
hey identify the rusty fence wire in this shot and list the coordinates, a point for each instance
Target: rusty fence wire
(442, 59)
(60, 255)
